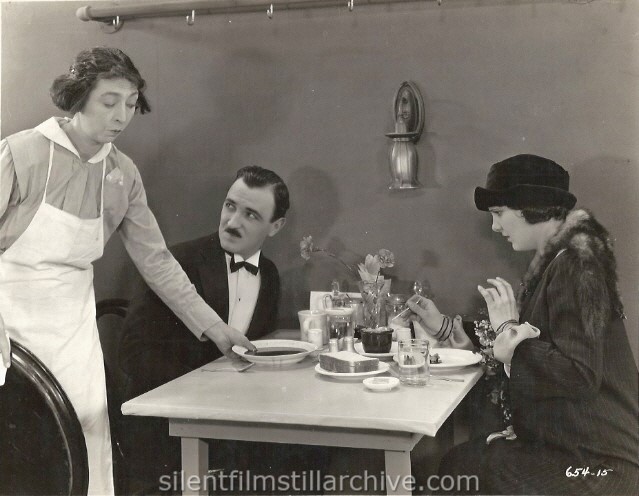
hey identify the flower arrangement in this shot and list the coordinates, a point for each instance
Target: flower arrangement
(373, 286)
(498, 391)
(369, 271)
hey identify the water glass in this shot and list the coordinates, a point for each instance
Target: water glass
(412, 360)
(340, 323)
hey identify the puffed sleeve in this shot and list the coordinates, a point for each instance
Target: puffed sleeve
(146, 246)
(7, 175)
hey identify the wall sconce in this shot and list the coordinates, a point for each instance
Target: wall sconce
(409, 123)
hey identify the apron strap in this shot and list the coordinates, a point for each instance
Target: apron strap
(102, 187)
(44, 196)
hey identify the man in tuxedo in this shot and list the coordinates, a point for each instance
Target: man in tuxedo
(234, 278)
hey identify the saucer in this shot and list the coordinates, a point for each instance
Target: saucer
(359, 348)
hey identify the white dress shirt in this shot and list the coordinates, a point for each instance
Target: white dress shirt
(244, 288)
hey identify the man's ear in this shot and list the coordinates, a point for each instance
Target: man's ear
(277, 226)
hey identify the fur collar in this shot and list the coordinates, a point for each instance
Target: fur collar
(588, 244)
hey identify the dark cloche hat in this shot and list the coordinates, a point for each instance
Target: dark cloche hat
(525, 181)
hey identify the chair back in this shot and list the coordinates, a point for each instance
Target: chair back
(110, 314)
(42, 447)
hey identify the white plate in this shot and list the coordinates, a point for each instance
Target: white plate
(452, 359)
(276, 360)
(383, 367)
(359, 348)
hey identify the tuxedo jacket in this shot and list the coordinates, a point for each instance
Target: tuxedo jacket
(157, 347)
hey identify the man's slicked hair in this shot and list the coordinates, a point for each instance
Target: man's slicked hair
(255, 176)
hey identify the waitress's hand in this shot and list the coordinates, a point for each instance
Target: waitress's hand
(225, 337)
(425, 313)
(501, 302)
(5, 345)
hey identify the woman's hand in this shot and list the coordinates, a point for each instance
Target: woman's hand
(225, 337)
(425, 313)
(501, 302)
(5, 345)
(509, 339)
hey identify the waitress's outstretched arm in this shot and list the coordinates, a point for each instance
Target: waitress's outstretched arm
(145, 244)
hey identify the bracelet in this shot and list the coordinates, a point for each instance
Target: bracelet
(503, 325)
(445, 330)
(441, 328)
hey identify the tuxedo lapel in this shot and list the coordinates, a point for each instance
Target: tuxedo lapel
(212, 269)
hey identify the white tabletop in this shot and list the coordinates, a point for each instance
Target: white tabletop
(296, 394)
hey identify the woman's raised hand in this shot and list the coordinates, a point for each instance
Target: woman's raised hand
(425, 313)
(5, 345)
(501, 302)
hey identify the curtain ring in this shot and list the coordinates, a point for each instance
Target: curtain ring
(190, 19)
(269, 12)
(351, 5)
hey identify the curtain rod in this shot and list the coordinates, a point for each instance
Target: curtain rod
(115, 15)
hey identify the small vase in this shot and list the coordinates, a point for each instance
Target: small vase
(374, 296)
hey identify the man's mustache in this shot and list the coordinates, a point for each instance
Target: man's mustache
(233, 232)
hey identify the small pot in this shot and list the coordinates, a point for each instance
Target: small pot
(377, 340)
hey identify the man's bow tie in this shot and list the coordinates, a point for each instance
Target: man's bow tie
(235, 266)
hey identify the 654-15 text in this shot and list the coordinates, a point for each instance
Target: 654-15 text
(585, 471)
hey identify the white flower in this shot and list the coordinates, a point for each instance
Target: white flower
(115, 177)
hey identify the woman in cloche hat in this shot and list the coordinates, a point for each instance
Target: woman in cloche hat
(572, 378)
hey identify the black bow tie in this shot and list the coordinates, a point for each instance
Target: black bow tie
(235, 266)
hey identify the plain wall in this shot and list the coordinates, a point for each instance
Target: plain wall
(310, 94)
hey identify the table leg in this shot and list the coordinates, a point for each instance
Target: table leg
(195, 465)
(398, 472)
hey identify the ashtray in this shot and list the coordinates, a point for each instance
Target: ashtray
(381, 383)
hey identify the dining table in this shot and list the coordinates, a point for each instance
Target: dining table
(294, 404)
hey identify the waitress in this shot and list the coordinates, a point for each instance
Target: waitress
(64, 189)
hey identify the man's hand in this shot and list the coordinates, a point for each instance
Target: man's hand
(5, 345)
(501, 302)
(425, 313)
(509, 339)
(225, 337)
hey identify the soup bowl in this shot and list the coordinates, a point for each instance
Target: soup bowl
(276, 352)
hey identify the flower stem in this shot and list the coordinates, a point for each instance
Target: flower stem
(350, 269)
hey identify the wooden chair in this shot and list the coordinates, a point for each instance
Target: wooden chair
(42, 447)
(110, 314)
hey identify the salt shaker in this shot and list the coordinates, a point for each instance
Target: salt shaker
(333, 346)
(348, 344)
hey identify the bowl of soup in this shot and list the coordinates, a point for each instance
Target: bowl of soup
(276, 352)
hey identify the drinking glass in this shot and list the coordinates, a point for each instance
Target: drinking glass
(412, 360)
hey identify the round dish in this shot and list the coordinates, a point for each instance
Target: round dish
(359, 348)
(381, 383)
(383, 367)
(452, 359)
(276, 360)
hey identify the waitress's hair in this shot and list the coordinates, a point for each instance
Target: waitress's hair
(70, 91)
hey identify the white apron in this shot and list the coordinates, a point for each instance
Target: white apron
(48, 305)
